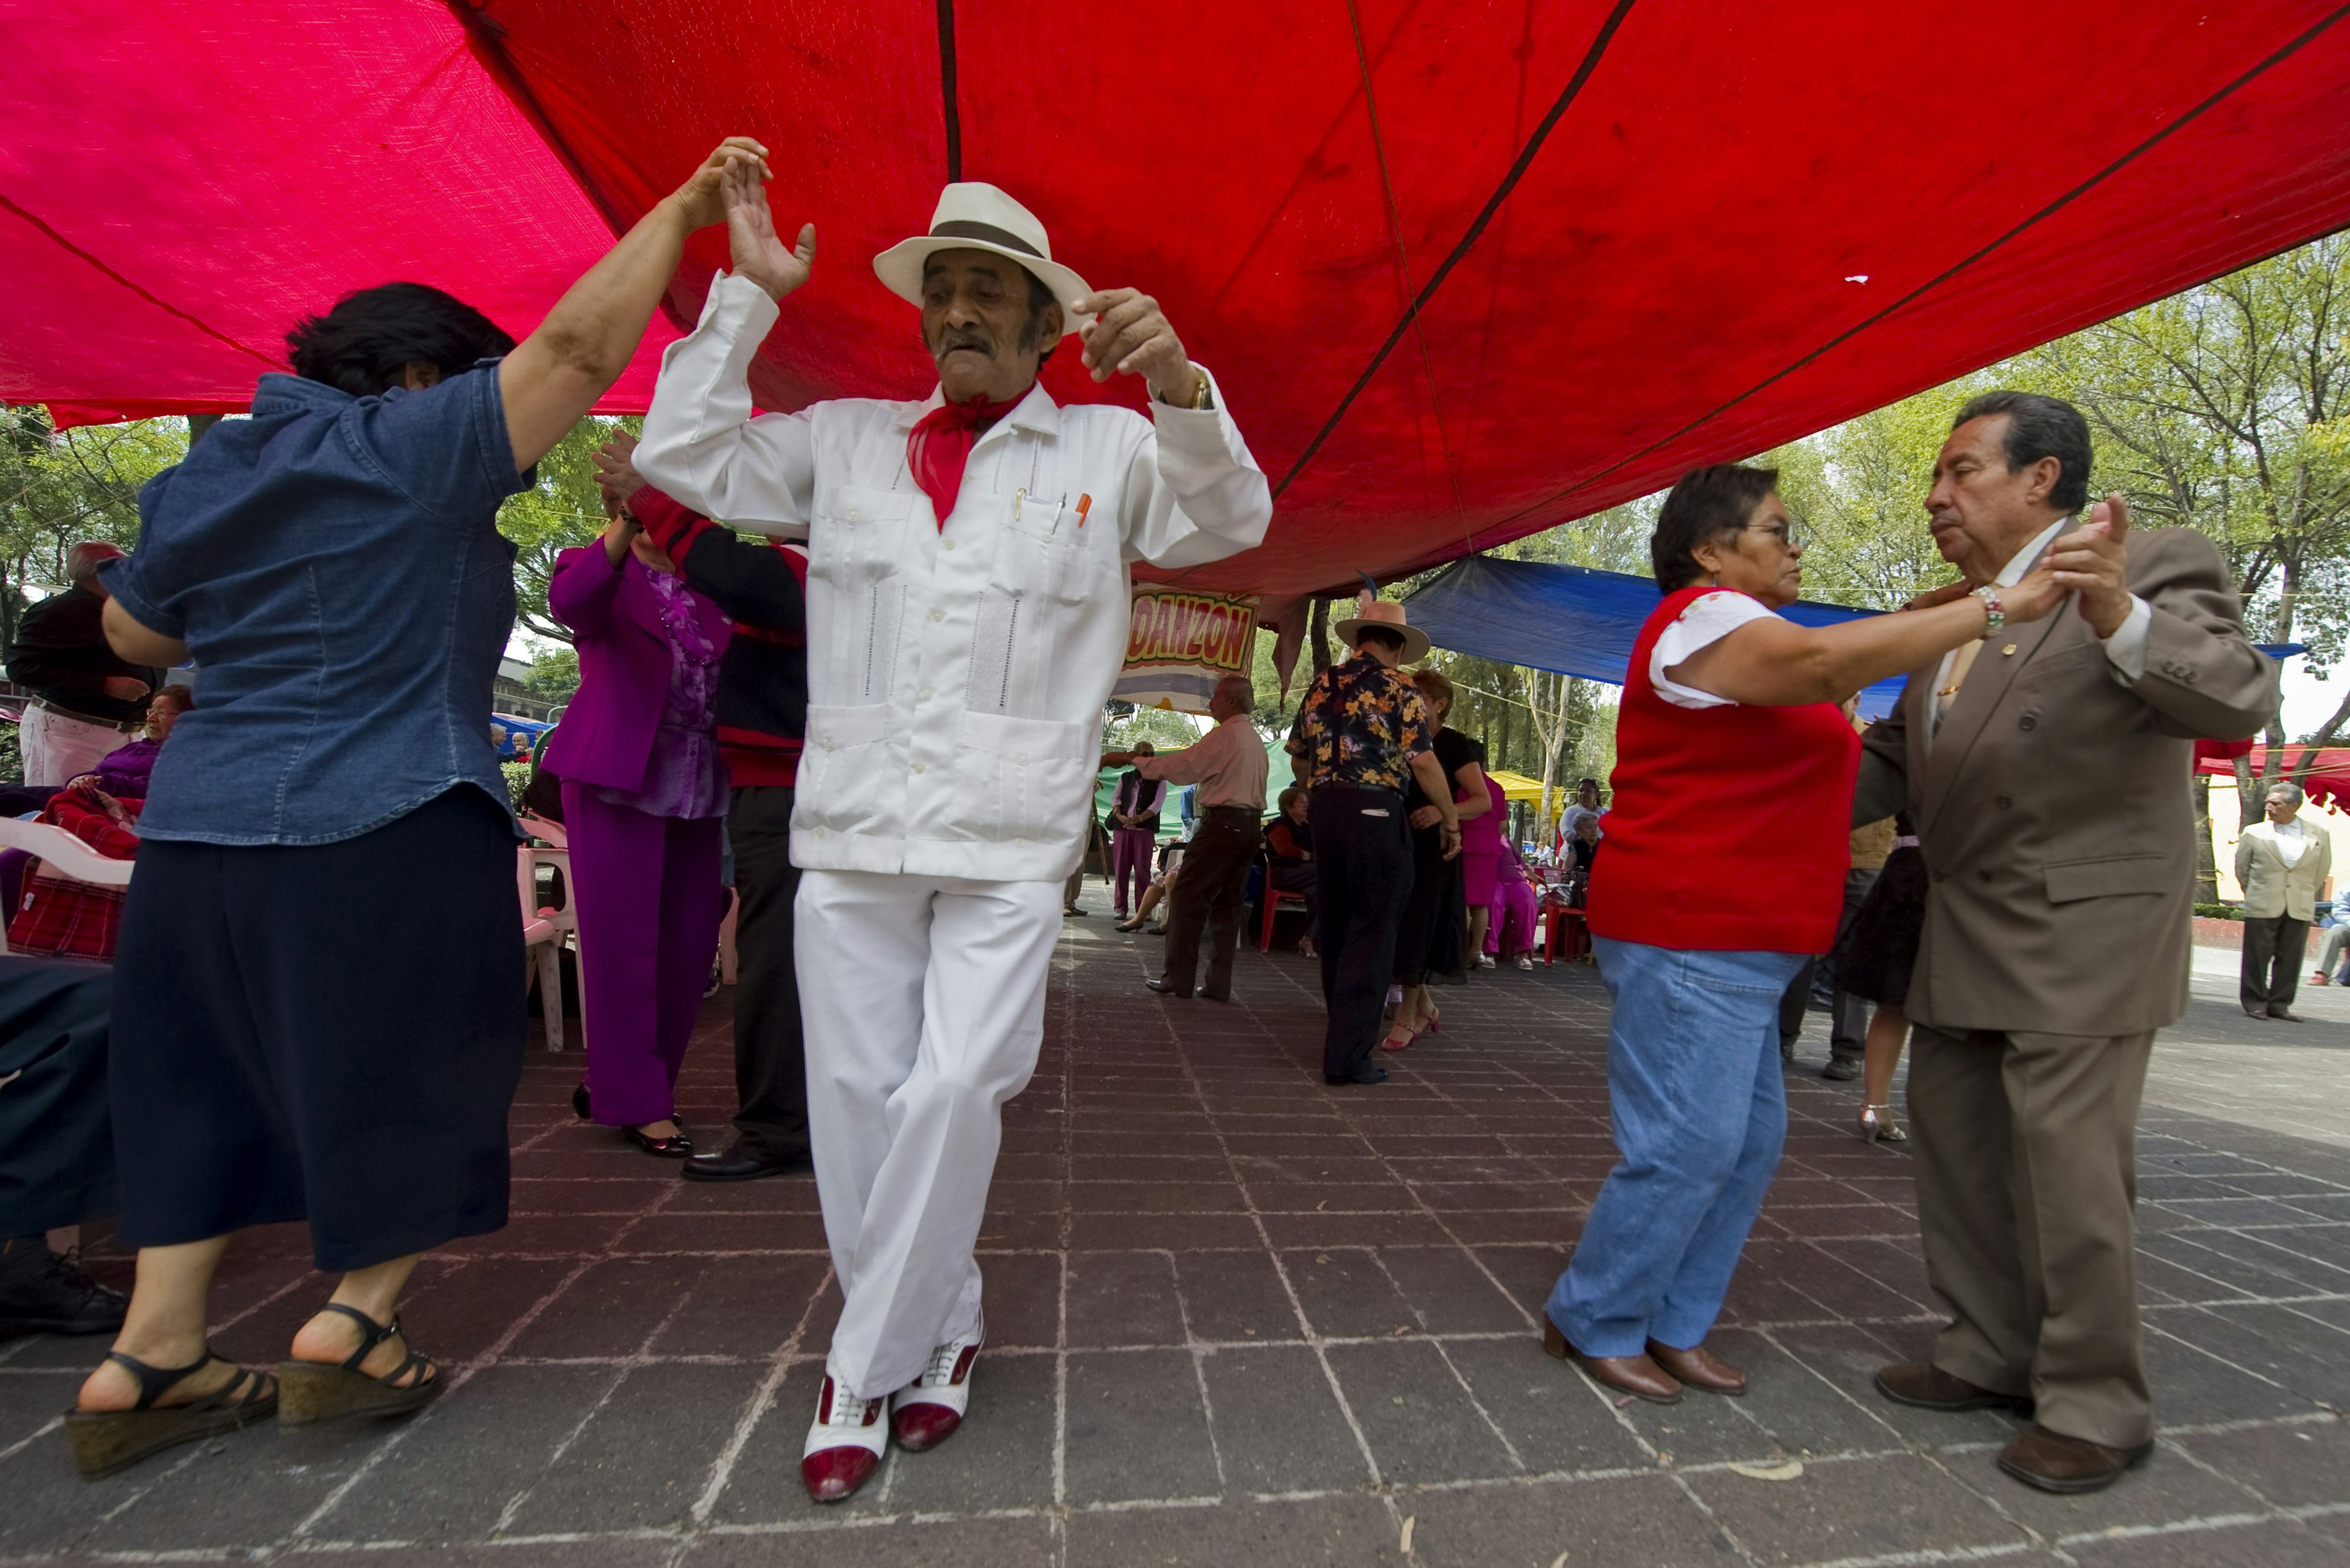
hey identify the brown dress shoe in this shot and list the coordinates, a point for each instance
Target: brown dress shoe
(1698, 1368)
(2054, 1462)
(1634, 1374)
(1929, 1387)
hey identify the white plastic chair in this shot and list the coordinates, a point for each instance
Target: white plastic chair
(62, 853)
(542, 939)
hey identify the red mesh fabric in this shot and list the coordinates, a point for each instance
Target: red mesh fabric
(1718, 227)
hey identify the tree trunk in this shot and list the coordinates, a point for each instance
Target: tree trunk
(200, 423)
(2207, 870)
(1318, 635)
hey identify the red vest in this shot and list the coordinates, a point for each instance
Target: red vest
(1730, 830)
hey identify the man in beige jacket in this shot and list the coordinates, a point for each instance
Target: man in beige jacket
(2282, 864)
(2047, 769)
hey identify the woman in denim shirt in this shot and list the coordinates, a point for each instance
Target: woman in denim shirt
(318, 1002)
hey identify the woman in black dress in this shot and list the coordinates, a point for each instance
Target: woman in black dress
(1873, 961)
(1434, 943)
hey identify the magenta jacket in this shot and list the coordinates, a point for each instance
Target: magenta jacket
(605, 737)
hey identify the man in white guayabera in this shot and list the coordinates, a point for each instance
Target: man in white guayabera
(967, 615)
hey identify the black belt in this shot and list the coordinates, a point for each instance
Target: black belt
(1250, 812)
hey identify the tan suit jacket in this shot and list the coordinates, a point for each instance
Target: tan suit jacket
(2271, 887)
(2052, 807)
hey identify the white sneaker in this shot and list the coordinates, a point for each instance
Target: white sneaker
(1524, 962)
(844, 1444)
(926, 1412)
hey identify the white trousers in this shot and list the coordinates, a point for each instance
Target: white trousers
(58, 750)
(923, 999)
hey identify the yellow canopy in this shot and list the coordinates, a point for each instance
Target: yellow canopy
(1517, 786)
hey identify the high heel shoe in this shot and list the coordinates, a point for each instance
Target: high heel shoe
(1392, 1044)
(1877, 1126)
(677, 1146)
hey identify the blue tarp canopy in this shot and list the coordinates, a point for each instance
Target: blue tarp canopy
(1570, 619)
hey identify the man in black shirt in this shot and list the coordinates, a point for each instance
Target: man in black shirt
(87, 699)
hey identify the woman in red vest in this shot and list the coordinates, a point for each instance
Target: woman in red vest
(1725, 868)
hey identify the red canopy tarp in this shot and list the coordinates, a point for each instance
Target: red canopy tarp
(2328, 780)
(1465, 270)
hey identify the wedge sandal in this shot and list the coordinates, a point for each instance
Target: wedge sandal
(105, 1442)
(324, 1391)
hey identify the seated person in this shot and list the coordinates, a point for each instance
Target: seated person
(1289, 852)
(1162, 887)
(1511, 935)
(64, 917)
(123, 772)
(1581, 850)
(56, 1143)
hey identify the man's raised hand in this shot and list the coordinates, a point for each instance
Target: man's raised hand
(2093, 560)
(759, 252)
(1130, 337)
(700, 198)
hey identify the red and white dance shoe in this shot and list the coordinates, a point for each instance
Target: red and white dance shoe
(926, 1412)
(844, 1444)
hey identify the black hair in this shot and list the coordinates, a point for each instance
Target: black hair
(362, 343)
(1040, 296)
(1385, 636)
(2039, 426)
(1709, 504)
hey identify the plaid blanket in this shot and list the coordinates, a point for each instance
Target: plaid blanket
(65, 917)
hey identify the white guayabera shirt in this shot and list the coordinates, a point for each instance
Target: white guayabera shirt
(956, 676)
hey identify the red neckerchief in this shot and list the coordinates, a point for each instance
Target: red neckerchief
(939, 448)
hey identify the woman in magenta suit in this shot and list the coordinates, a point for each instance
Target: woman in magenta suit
(644, 802)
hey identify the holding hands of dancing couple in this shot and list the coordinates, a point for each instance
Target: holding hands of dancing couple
(2087, 565)
(758, 251)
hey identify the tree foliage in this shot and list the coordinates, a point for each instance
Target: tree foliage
(562, 510)
(57, 487)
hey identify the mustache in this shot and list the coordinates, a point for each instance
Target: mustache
(973, 337)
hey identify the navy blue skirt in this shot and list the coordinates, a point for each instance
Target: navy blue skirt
(330, 1032)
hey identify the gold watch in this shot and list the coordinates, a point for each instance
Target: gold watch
(1199, 399)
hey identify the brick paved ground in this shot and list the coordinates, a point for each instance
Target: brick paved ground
(1239, 1318)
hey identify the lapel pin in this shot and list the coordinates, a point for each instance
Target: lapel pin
(2008, 652)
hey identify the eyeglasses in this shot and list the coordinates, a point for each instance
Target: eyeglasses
(1788, 538)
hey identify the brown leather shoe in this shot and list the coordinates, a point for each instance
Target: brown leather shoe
(2054, 1462)
(1929, 1387)
(1698, 1368)
(1634, 1374)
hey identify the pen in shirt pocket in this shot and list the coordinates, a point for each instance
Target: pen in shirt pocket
(1085, 504)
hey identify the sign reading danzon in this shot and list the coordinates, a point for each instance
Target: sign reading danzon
(1179, 643)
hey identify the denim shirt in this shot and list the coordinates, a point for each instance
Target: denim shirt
(334, 566)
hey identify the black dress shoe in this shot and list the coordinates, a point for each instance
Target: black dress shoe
(2252, 1012)
(43, 1293)
(579, 1103)
(745, 1163)
(2284, 1015)
(1224, 996)
(677, 1146)
(1366, 1075)
(1165, 987)
(1842, 1069)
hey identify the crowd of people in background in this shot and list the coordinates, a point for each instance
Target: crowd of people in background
(893, 739)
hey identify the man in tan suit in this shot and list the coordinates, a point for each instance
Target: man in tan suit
(2046, 768)
(2282, 864)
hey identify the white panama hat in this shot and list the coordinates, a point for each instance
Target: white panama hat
(1389, 614)
(974, 216)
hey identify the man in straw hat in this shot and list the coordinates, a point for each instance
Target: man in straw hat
(1361, 731)
(967, 615)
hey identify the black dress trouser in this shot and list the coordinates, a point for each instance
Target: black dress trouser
(2275, 948)
(1362, 850)
(1208, 897)
(770, 1052)
(57, 1135)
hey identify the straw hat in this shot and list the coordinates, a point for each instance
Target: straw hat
(1370, 611)
(976, 216)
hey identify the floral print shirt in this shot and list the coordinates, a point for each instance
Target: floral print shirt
(1361, 725)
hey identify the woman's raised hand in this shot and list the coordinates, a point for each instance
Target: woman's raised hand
(2035, 595)
(702, 198)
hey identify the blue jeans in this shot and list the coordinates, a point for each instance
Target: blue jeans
(1699, 1115)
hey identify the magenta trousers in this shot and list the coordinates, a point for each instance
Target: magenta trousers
(649, 899)
(1130, 849)
(1511, 927)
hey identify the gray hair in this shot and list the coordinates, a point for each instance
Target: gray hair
(82, 560)
(1239, 691)
(2291, 788)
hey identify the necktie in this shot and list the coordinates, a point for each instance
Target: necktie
(1947, 695)
(938, 448)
